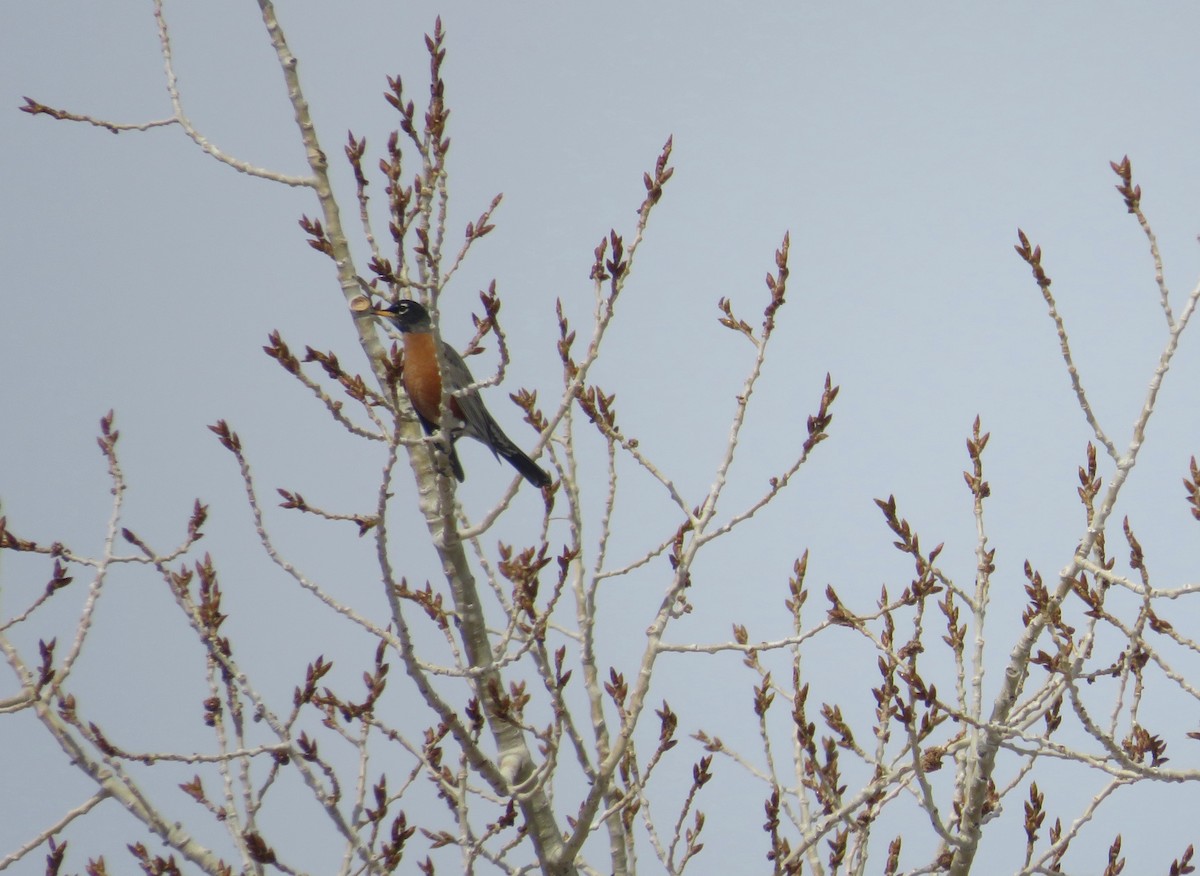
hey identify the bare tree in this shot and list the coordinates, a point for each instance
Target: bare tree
(523, 751)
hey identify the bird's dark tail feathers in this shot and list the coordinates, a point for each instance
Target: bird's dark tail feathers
(501, 445)
(526, 466)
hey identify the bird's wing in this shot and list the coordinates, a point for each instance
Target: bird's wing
(479, 424)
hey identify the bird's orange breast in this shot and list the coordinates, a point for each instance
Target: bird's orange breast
(422, 381)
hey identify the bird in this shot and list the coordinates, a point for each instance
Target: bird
(422, 380)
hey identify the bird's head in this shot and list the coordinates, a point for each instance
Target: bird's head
(406, 315)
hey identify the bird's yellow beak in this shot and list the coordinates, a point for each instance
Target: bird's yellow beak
(362, 306)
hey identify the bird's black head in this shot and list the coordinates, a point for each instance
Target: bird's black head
(407, 315)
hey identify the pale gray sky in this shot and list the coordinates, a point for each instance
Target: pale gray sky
(900, 144)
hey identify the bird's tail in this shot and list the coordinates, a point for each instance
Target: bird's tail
(481, 427)
(526, 466)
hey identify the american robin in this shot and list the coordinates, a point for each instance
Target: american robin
(423, 383)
